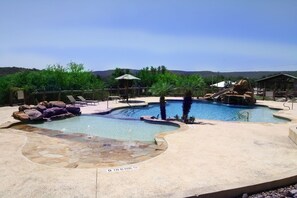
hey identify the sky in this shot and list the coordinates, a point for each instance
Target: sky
(192, 35)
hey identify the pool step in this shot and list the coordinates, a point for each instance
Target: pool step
(161, 143)
(293, 133)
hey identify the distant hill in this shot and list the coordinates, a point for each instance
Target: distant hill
(106, 73)
(11, 70)
(245, 74)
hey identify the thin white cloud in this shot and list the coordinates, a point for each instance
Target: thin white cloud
(14, 46)
(154, 43)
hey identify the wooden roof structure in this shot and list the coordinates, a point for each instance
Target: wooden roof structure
(280, 84)
(277, 76)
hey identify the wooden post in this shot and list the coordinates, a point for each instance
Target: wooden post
(59, 95)
(264, 91)
(273, 94)
(25, 98)
(10, 97)
(43, 95)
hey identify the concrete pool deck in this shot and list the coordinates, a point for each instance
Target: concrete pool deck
(207, 157)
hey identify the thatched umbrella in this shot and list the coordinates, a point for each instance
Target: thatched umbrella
(127, 78)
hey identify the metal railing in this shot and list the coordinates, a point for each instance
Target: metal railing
(284, 104)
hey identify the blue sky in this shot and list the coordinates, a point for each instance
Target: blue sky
(221, 35)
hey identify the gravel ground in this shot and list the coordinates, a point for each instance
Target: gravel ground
(288, 191)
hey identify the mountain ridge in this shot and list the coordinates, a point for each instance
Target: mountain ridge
(243, 74)
(11, 70)
(106, 73)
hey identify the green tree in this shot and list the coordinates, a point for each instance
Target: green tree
(190, 84)
(55, 77)
(5, 82)
(75, 68)
(168, 77)
(162, 89)
(112, 82)
(150, 75)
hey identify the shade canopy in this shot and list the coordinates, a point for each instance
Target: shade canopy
(127, 77)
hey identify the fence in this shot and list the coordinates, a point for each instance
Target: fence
(94, 94)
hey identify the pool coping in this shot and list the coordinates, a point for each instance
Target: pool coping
(160, 137)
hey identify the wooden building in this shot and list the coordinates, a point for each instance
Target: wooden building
(280, 85)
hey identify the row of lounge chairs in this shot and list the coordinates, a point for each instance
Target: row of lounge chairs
(81, 101)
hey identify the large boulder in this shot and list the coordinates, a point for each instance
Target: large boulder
(48, 113)
(242, 86)
(59, 104)
(250, 100)
(20, 115)
(62, 116)
(73, 109)
(33, 114)
(24, 107)
(40, 108)
(46, 104)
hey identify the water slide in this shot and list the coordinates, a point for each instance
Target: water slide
(216, 95)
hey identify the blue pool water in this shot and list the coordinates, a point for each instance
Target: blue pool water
(108, 127)
(204, 110)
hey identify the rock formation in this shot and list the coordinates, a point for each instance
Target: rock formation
(52, 110)
(240, 94)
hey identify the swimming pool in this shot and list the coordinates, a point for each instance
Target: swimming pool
(203, 110)
(93, 125)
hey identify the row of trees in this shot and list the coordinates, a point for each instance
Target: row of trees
(55, 77)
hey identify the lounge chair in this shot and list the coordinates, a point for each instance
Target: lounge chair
(88, 101)
(74, 102)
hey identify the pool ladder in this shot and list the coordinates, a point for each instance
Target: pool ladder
(245, 116)
(284, 104)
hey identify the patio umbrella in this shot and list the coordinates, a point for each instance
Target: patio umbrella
(126, 78)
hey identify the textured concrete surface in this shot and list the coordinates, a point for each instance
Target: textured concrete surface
(293, 133)
(82, 151)
(209, 156)
(21, 177)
